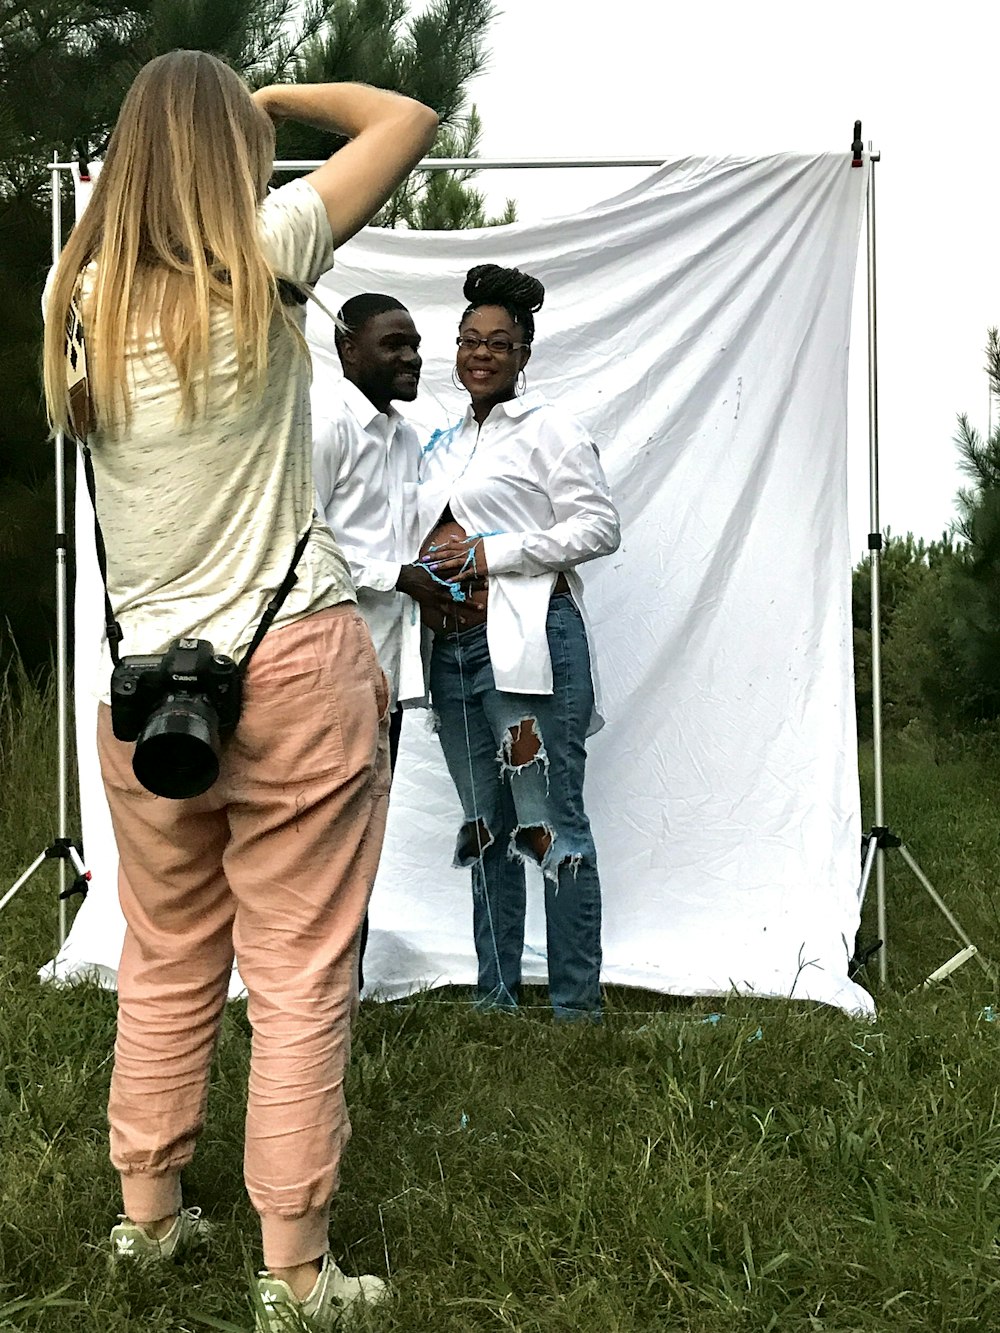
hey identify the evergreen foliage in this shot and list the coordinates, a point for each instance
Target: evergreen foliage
(941, 602)
(912, 578)
(64, 68)
(977, 581)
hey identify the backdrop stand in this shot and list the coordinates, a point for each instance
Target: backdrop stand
(62, 848)
(880, 838)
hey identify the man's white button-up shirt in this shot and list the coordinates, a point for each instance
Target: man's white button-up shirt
(365, 473)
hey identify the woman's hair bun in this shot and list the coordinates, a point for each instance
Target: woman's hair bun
(490, 284)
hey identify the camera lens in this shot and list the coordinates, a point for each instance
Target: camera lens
(177, 752)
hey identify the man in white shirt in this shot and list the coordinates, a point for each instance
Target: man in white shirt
(365, 457)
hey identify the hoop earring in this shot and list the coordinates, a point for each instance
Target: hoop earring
(521, 383)
(455, 380)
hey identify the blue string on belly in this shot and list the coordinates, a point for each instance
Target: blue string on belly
(455, 589)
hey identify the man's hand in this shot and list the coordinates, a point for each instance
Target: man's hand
(436, 601)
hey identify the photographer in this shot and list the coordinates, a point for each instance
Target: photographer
(187, 277)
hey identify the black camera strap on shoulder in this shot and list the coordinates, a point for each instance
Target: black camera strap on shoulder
(111, 625)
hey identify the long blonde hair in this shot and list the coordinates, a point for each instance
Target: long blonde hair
(171, 228)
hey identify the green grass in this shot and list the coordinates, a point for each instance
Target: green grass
(779, 1168)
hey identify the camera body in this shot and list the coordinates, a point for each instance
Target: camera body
(178, 706)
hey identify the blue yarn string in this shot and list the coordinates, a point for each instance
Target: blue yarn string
(456, 591)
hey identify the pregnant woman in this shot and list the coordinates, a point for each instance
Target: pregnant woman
(517, 500)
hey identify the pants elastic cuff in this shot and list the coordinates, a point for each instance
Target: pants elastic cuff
(289, 1241)
(147, 1197)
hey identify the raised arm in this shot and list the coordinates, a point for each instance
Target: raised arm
(388, 136)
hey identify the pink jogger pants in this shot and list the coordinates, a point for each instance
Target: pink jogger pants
(276, 861)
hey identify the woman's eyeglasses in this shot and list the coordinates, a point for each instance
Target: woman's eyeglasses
(501, 346)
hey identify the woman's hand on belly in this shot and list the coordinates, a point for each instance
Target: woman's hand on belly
(460, 559)
(441, 612)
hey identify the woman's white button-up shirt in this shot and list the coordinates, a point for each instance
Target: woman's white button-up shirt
(529, 480)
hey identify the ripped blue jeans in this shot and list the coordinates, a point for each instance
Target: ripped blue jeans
(517, 761)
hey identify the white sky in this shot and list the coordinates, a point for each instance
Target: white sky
(647, 77)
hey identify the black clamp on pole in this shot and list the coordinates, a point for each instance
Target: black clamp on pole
(83, 161)
(64, 849)
(885, 838)
(875, 542)
(857, 147)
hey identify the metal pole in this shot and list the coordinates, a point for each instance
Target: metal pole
(18, 884)
(942, 906)
(479, 164)
(866, 869)
(874, 562)
(62, 692)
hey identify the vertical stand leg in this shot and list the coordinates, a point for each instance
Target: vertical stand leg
(875, 552)
(62, 645)
(883, 966)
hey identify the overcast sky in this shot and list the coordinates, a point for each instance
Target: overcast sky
(648, 77)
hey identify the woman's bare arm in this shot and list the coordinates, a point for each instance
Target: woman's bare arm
(388, 134)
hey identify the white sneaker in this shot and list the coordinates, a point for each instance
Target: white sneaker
(129, 1241)
(330, 1300)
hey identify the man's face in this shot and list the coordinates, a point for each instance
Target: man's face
(383, 358)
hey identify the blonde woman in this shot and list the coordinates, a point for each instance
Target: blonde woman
(198, 379)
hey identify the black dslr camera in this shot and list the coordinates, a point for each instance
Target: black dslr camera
(178, 707)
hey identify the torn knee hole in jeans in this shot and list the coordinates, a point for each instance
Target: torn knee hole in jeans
(532, 841)
(537, 843)
(521, 747)
(474, 839)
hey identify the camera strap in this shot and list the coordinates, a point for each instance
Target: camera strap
(111, 625)
(274, 605)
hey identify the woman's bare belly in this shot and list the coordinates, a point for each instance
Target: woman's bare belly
(473, 609)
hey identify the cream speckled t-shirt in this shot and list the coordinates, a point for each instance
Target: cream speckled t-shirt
(200, 519)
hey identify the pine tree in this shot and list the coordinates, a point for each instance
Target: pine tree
(976, 610)
(941, 602)
(64, 68)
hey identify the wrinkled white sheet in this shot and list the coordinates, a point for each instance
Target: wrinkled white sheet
(699, 324)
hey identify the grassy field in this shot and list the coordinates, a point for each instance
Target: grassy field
(778, 1167)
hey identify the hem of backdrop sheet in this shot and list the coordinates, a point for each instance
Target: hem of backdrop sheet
(699, 325)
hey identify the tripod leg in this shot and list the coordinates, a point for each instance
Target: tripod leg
(942, 906)
(883, 917)
(866, 870)
(22, 881)
(946, 969)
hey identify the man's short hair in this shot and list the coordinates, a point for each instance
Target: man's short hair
(358, 310)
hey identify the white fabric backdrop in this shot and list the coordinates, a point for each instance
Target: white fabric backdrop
(699, 325)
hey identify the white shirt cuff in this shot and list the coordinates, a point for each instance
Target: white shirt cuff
(503, 552)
